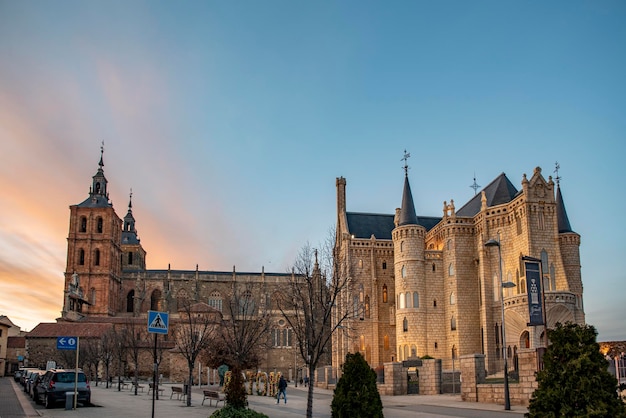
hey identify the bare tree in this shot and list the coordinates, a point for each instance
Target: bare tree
(311, 304)
(134, 337)
(194, 333)
(244, 335)
(90, 350)
(107, 352)
(120, 352)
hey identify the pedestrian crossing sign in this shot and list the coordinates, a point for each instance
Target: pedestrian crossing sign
(158, 322)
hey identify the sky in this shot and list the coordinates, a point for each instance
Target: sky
(230, 122)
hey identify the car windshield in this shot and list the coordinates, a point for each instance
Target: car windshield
(68, 377)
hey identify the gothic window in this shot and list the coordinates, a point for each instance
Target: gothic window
(81, 257)
(246, 304)
(407, 297)
(449, 245)
(451, 270)
(155, 300)
(402, 301)
(452, 298)
(405, 325)
(96, 257)
(282, 337)
(83, 224)
(360, 263)
(454, 351)
(215, 301)
(403, 272)
(362, 340)
(130, 301)
(367, 306)
(453, 323)
(385, 293)
(401, 246)
(99, 225)
(416, 300)
(130, 258)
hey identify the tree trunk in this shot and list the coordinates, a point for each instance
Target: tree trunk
(309, 399)
(189, 384)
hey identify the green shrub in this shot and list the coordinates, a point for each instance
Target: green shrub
(356, 394)
(229, 411)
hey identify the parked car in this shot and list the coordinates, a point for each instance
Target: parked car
(52, 387)
(25, 377)
(18, 374)
(32, 381)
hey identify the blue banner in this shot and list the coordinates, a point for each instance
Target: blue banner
(535, 293)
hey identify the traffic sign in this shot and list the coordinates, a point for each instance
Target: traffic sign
(66, 343)
(158, 322)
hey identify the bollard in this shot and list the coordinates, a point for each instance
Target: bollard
(69, 400)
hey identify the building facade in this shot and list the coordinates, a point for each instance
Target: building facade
(429, 286)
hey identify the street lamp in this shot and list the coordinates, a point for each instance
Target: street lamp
(507, 401)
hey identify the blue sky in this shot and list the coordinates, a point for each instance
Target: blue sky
(231, 120)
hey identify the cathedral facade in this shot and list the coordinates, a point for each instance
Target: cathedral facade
(430, 286)
(106, 279)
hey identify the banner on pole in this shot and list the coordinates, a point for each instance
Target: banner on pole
(535, 293)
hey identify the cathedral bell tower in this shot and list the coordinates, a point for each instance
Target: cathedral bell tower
(92, 274)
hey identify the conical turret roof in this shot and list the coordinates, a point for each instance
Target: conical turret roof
(407, 211)
(561, 214)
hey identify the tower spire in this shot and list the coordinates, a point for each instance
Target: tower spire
(407, 211)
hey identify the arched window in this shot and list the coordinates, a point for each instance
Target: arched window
(454, 351)
(384, 293)
(155, 300)
(453, 323)
(215, 300)
(416, 300)
(83, 224)
(403, 272)
(81, 257)
(246, 304)
(401, 246)
(130, 301)
(96, 257)
(449, 245)
(405, 325)
(99, 226)
(407, 296)
(450, 269)
(452, 298)
(367, 306)
(402, 301)
(406, 351)
(362, 340)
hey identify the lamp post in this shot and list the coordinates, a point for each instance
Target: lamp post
(507, 401)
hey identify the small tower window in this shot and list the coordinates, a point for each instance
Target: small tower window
(83, 224)
(403, 272)
(405, 325)
(367, 306)
(384, 265)
(99, 225)
(451, 270)
(130, 301)
(452, 298)
(96, 257)
(384, 293)
(453, 323)
(130, 258)
(81, 257)
(416, 300)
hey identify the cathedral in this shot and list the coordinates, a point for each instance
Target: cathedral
(107, 282)
(440, 287)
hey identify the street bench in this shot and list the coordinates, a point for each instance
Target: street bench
(213, 395)
(151, 387)
(137, 385)
(178, 391)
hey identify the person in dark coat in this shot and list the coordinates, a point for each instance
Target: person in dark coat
(282, 388)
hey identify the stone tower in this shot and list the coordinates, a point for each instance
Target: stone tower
(92, 274)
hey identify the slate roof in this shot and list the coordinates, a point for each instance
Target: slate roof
(561, 215)
(499, 191)
(364, 225)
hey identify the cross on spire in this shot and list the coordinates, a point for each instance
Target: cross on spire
(475, 186)
(405, 158)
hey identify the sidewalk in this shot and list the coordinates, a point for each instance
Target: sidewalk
(124, 404)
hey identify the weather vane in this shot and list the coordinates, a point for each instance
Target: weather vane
(556, 170)
(405, 159)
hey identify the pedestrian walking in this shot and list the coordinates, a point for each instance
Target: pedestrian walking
(282, 388)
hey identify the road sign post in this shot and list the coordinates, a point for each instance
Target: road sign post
(158, 323)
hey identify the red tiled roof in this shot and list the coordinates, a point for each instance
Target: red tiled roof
(74, 329)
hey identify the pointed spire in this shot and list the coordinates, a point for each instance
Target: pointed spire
(407, 211)
(561, 214)
(129, 233)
